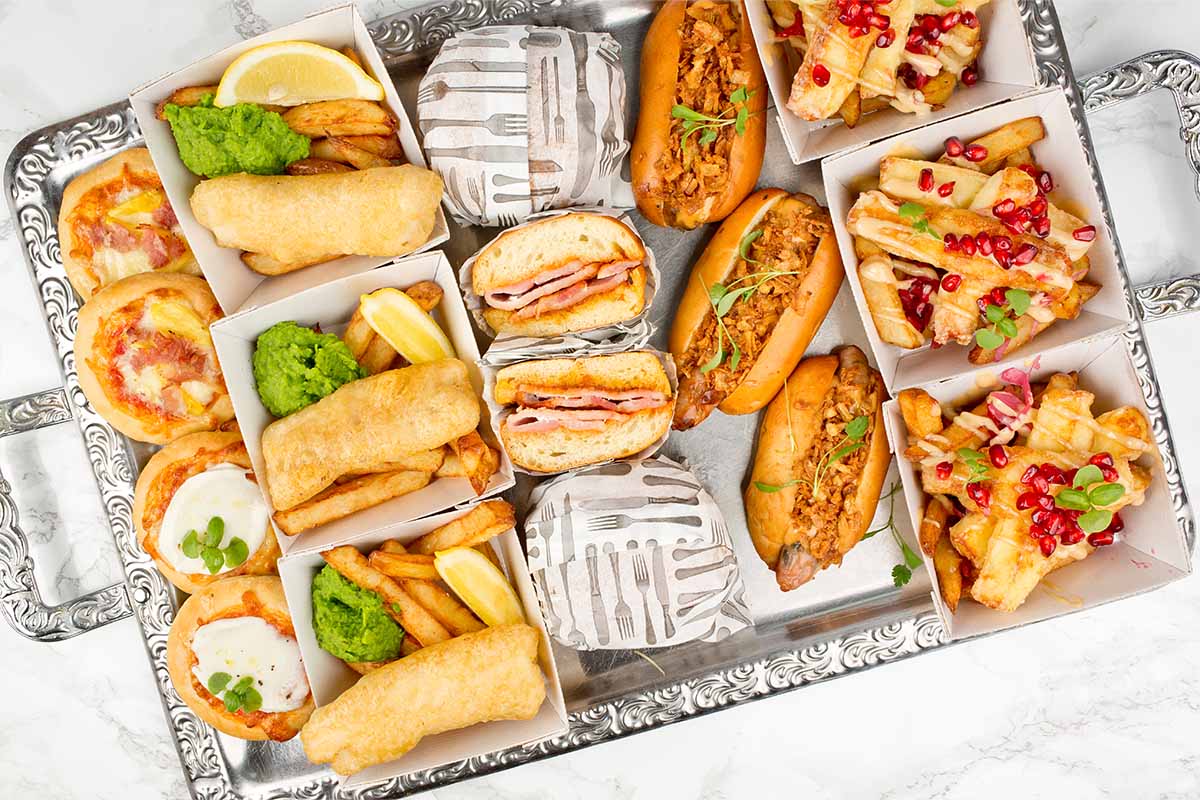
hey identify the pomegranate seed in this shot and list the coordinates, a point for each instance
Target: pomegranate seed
(1071, 536)
(1110, 474)
(1041, 226)
(970, 20)
(951, 19)
(984, 243)
(1025, 254)
(1036, 531)
(1030, 170)
(820, 75)
(969, 76)
(1101, 460)
(954, 147)
(950, 243)
(1004, 208)
(1002, 243)
(879, 21)
(980, 494)
(930, 23)
(925, 182)
(1101, 539)
(1042, 516)
(934, 34)
(1045, 181)
(1047, 543)
(1057, 525)
(1117, 525)
(950, 281)
(1053, 475)
(946, 189)
(944, 469)
(915, 43)
(885, 39)
(1038, 207)
(1027, 500)
(1085, 234)
(975, 153)
(997, 296)
(998, 456)
(857, 31)
(1071, 473)
(1029, 474)
(1039, 483)
(967, 244)
(1003, 258)
(1014, 225)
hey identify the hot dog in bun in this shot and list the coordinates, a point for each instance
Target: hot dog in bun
(821, 460)
(701, 130)
(752, 304)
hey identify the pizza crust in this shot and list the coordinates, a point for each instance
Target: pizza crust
(260, 562)
(154, 428)
(224, 599)
(80, 271)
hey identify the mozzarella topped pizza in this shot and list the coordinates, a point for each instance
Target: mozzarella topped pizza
(116, 221)
(145, 358)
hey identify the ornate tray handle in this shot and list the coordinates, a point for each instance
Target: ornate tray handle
(1179, 73)
(20, 601)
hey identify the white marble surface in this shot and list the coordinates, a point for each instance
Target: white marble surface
(1098, 705)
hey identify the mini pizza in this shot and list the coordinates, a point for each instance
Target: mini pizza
(115, 221)
(200, 514)
(146, 361)
(234, 659)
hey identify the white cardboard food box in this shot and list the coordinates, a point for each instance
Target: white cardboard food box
(331, 305)
(235, 285)
(328, 676)
(1061, 153)
(1150, 552)
(1006, 71)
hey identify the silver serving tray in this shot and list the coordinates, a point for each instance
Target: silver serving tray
(609, 694)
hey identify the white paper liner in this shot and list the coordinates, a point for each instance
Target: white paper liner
(519, 119)
(631, 330)
(498, 413)
(590, 535)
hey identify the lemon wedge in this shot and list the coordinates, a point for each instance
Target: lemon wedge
(292, 73)
(405, 326)
(480, 585)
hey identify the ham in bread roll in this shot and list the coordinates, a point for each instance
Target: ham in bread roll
(821, 459)
(569, 412)
(563, 274)
(777, 261)
(699, 65)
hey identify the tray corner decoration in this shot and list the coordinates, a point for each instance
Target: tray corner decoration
(33, 189)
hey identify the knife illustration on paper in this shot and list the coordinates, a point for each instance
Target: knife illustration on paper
(585, 115)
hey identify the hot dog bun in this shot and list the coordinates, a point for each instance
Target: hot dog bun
(790, 334)
(658, 132)
(524, 254)
(795, 533)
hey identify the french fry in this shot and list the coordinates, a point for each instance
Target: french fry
(343, 499)
(336, 149)
(426, 294)
(452, 466)
(358, 334)
(316, 166)
(487, 549)
(340, 118)
(1027, 327)
(488, 519)
(444, 607)
(934, 522)
(421, 461)
(900, 177)
(970, 537)
(878, 76)
(939, 88)
(952, 437)
(474, 455)
(408, 646)
(1001, 143)
(392, 546)
(922, 414)
(397, 603)
(851, 110)
(1118, 428)
(265, 265)
(187, 96)
(383, 146)
(395, 565)
(955, 314)
(878, 281)
(947, 563)
(352, 54)
(1021, 158)
(378, 356)
(1007, 184)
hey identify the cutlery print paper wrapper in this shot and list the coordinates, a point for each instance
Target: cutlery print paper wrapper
(632, 555)
(631, 333)
(520, 119)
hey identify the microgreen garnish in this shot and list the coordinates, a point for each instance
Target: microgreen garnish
(1003, 319)
(1080, 498)
(915, 214)
(852, 440)
(206, 547)
(976, 461)
(902, 572)
(708, 125)
(242, 696)
(947, 3)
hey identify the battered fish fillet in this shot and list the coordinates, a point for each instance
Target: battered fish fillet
(385, 417)
(479, 677)
(386, 211)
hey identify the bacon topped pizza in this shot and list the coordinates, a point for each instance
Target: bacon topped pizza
(116, 221)
(145, 358)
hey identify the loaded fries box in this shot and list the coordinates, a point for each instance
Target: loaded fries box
(235, 285)
(1004, 70)
(330, 306)
(1022, 578)
(900, 219)
(329, 676)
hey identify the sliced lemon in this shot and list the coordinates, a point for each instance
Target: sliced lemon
(480, 585)
(405, 326)
(291, 73)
